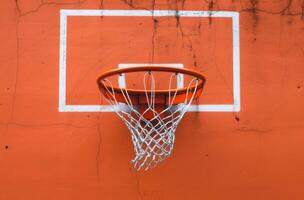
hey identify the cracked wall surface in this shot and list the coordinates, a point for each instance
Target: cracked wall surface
(256, 153)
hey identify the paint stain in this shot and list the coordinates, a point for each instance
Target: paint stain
(237, 118)
(300, 85)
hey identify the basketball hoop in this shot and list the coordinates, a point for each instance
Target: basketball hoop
(151, 114)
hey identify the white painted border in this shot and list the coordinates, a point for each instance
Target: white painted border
(235, 107)
(179, 80)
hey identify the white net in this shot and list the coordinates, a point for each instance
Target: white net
(153, 137)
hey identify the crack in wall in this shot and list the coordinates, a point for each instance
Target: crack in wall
(101, 4)
(155, 24)
(17, 60)
(46, 125)
(189, 41)
(20, 14)
(43, 4)
(183, 35)
(228, 86)
(210, 9)
(140, 195)
(132, 5)
(285, 65)
(98, 150)
(254, 4)
(256, 130)
(286, 10)
(302, 9)
(177, 18)
(129, 3)
(153, 39)
(183, 3)
(211, 5)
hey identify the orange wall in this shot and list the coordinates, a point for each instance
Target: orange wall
(257, 153)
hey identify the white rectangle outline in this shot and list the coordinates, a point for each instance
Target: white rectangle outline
(235, 107)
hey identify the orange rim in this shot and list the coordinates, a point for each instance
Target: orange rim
(160, 95)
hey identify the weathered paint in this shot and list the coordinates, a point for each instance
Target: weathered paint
(256, 153)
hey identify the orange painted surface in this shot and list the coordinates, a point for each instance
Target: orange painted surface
(257, 153)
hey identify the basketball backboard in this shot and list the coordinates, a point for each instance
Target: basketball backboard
(103, 39)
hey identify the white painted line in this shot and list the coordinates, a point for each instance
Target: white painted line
(62, 62)
(124, 65)
(213, 108)
(179, 80)
(236, 63)
(235, 107)
(86, 108)
(148, 13)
